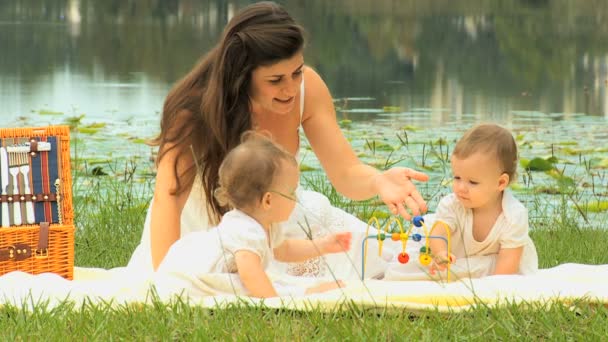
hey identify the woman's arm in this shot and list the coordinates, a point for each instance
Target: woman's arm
(346, 172)
(166, 207)
(296, 250)
(508, 260)
(252, 274)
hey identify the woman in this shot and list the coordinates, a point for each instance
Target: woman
(254, 78)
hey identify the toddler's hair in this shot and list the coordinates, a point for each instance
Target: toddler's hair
(490, 138)
(249, 170)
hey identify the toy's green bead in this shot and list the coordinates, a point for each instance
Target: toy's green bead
(424, 250)
(382, 236)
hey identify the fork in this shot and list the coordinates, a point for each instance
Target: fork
(13, 164)
(24, 168)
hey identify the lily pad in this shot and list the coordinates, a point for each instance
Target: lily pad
(537, 164)
(345, 123)
(49, 112)
(88, 130)
(391, 109)
(410, 128)
(306, 168)
(139, 140)
(596, 206)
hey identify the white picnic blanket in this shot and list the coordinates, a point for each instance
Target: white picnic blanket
(563, 283)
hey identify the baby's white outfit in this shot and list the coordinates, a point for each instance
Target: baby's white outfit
(477, 258)
(202, 263)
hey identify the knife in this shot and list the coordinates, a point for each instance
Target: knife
(4, 179)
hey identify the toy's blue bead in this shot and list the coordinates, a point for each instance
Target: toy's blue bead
(417, 221)
(416, 237)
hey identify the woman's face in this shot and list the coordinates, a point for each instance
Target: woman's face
(274, 88)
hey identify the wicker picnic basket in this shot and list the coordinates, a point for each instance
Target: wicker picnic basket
(37, 231)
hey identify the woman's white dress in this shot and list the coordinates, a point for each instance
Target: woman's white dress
(313, 216)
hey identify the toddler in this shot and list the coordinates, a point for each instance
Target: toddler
(488, 225)
(258, 179)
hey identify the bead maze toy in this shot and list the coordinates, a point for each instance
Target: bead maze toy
(425, 257)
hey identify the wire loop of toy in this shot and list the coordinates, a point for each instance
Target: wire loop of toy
(425, 257)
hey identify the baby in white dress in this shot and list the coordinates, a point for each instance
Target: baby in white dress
(258, 179)
(488, 225)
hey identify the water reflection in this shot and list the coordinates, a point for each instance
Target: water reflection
(116, 59)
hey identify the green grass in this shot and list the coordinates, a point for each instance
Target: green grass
(110, 212)
(180, 321)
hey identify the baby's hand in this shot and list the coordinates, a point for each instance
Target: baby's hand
(324, 287)
(441, 260)
(335, 243)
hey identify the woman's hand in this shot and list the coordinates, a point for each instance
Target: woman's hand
(335, 243)
(395, 188)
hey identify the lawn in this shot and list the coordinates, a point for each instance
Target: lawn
(110, 211)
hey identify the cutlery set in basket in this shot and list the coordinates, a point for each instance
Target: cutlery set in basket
(36, 213)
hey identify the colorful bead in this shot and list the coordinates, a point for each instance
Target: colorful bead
(403, 258)
(417, 221)
(425, 259)
(416, 237)
(424, 250)
(395, 236)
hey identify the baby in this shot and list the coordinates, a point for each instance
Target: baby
(488, 225)
(258, 179)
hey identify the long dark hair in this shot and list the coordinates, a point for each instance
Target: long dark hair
(206, 112)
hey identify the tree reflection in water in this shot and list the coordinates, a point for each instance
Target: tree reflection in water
(484, 57)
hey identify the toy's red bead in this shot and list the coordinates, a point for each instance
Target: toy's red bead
(403, 258)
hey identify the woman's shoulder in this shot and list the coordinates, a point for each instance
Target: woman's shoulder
(317, 97)
(312, 80)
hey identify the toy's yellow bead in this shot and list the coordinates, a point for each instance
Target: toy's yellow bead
(403, 236)
(425, 259)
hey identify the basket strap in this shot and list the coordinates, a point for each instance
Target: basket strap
(50, 197)
(22, 251)
(16, 252)
(43, 238)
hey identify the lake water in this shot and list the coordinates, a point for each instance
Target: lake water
(404, 74)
